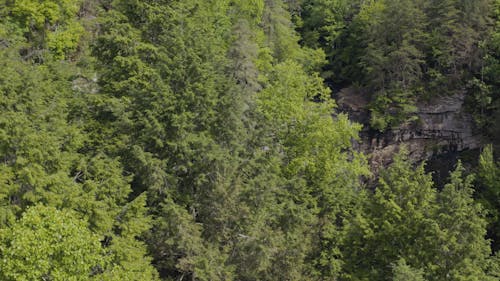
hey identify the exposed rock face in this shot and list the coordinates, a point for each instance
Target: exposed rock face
(443, 126)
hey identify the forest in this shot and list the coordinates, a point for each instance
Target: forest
(201, 140)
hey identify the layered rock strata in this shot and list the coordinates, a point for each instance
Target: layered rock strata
(443, 126)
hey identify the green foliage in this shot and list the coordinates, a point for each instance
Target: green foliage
(402, 272)
(323, 21)
(463, 228)
(489, 191)
(48, 244)
(36, 142)
(280, 39)
(38, 13)
(396, 223)
(57, 245)
(127, 254)
(399, 51)
(48, 157)
(196, 140)
(252, 9)
(317, 150)
(441, 234)
(50, 24)
(485, 85)
(65, 39)
(392, 71)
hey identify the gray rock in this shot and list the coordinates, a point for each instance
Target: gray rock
(443, 125)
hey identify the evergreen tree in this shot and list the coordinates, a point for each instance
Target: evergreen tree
(441, 234)
(48, 154)
(489, 192)
(463, 250)
(397, 223)
(402, 272)
(197, 140)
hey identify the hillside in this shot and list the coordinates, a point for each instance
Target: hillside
(249, 140)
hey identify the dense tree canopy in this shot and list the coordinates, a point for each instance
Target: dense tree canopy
(198, 140)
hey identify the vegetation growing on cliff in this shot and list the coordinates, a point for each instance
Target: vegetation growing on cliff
(197, 140)
(403, 51)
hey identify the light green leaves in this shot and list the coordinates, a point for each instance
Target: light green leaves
(52, 24)
(50, 244)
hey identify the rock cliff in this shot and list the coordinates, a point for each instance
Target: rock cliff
(443, 126)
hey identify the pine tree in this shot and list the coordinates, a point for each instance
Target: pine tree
(489, 191)
(49, 155)
(442, 234)
(402, 272)
(397, 223)
(463, 250)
